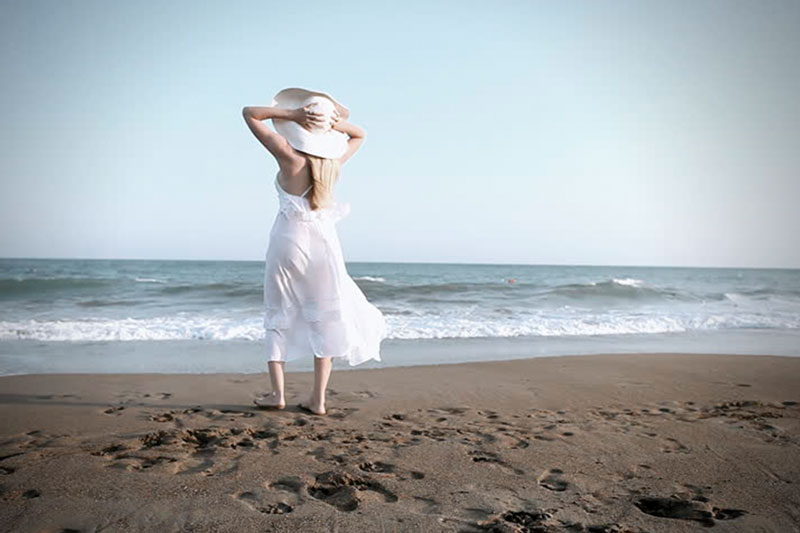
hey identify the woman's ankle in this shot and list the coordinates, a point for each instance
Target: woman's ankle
(316, 401)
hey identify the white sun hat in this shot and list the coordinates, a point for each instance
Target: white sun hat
(321, 141)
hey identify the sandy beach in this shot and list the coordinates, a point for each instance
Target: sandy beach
(611, 443)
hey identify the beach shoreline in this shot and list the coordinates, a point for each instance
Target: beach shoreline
(626, 442)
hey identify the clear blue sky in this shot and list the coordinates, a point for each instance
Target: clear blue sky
(614, 132)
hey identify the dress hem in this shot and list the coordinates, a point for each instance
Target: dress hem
(376, 357)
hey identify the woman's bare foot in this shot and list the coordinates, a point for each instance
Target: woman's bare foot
(313, 407)
(270, 400)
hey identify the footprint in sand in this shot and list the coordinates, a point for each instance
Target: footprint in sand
(754, 415)
(424, 505)
(226, 414)
(669, 444)
(551, 479)
(162, 417)
(356, 396)
(340, 413)
(134, 463)
(544, 436)
(133, 397)
(387, 468)
(341, 489)
(258, 503)
(35, 440)
(202, 464)
(108, 450)
(698, 511)
(672, 445)
(483, 456)
(169, 448)
(16, 494)
(377, 466)
(506, 438)
(189, 451)
(352, 397)
(517, 521)
(291, 484)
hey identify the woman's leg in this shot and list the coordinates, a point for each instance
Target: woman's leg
(322, 372)
(276, 397)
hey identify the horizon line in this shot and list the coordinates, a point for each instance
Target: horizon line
(411, 263)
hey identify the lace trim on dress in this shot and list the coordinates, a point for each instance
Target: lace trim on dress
(296, 212)
(297, 207)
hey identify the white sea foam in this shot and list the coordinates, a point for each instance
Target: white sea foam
(150, 280)
(132, 329)
(406, 327)
(377, 279)
(446, 325)
(629, 282)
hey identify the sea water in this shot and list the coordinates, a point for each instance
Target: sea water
(73, 315)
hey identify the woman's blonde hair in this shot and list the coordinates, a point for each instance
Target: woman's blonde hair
(324, 173)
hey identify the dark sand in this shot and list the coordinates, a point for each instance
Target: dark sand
(640, 443)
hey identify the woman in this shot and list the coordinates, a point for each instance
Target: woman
(312, 306)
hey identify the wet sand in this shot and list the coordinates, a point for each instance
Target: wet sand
(611, 443)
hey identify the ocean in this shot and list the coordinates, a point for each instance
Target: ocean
(72, 315)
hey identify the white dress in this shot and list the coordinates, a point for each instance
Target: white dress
(311, 304)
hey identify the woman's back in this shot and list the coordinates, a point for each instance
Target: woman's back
(297, 177)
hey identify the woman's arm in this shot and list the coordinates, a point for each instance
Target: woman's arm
(301, 115)
(357, 135)
(350, 129)
(263, 113)
(275, 143)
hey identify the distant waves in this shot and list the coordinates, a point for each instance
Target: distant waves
(86, 301)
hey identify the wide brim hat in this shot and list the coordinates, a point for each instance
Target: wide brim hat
(321, 141)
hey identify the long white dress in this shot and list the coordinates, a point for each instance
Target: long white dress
(311, 304)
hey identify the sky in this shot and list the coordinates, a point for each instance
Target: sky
(527, 132)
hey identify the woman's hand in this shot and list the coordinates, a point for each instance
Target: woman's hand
(308, 118)
(336, 119)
